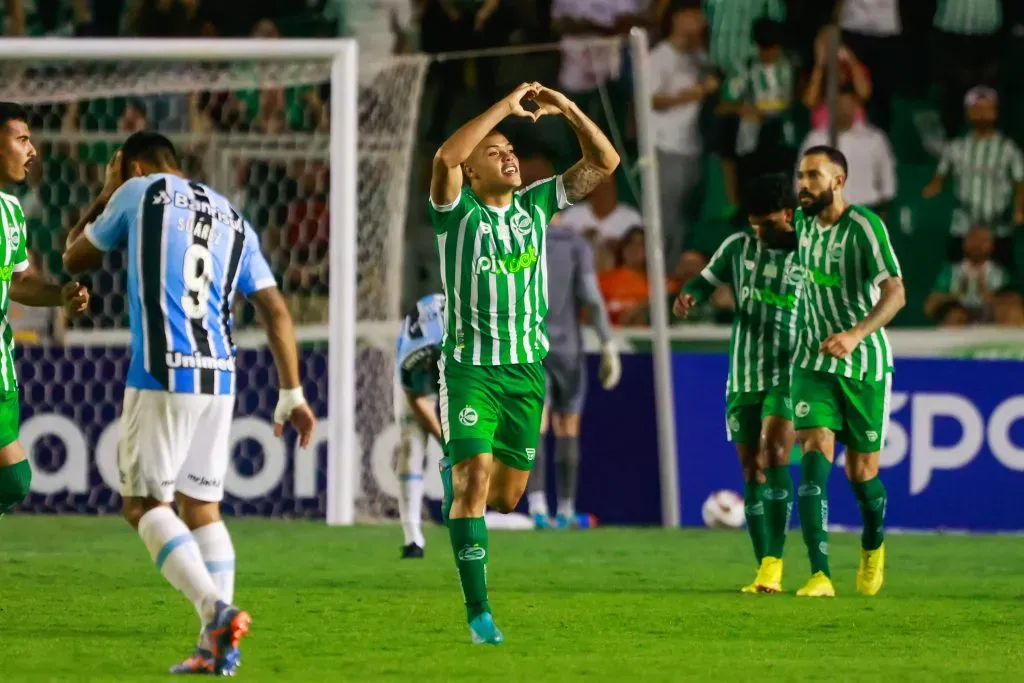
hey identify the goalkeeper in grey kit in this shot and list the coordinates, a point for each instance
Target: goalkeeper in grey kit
(572, 287)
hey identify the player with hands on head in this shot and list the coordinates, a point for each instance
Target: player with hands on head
(189, 252)
(490, 235)
(26, 286)
(761, 267)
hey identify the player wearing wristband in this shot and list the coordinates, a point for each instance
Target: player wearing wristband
(490, 237)
(762, 270)
(189, 252)
(21, 283)
(842, 366)
(416, 362)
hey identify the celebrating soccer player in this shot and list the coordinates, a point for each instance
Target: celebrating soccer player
(766, 279)
(21, 283)
(416, 357)
(572, 286)
(842, 367)
(189, 252)
(490, 238)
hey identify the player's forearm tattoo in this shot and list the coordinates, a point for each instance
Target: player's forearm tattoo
(580, 181)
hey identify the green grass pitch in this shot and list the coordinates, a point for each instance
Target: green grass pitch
(80, 601)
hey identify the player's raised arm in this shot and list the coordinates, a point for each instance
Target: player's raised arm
(107, 227)
(446, 176)
(599, 156)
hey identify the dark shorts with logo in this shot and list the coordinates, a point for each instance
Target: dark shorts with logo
(492, 409)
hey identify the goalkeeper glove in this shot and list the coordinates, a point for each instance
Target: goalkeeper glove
(611, 366)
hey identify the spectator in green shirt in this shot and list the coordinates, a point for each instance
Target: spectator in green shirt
(971, 282)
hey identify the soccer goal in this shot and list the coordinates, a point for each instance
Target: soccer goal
(316, 151)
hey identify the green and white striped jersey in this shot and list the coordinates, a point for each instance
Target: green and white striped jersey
(969, 17)
(985, 170)
(494, 273)
(969, 282)
(769, 87)
(732, 23)
(766, 283)
(843, 265)
(13, 259)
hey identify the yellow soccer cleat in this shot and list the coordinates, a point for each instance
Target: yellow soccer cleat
(818, 586)
(768, 579)
(871, 572)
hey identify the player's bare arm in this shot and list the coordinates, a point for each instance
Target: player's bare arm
(446, 177)
(893, 298)
(422, 408)
(79, 253)
(30, 288)
(291, 406)
(599, 156)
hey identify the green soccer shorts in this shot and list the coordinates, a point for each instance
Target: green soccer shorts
(746, 410)
(492, 409)
(10, 417)
(856, 410)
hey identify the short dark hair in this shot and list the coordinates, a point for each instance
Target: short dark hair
(768, 193)
(12, 111)
(768, 33)
(620, 245)
(148, 146)
(833, 154)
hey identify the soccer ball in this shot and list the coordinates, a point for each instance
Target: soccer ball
(723, 510)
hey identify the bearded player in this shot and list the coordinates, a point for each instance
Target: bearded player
(416, 356)
(842, 368)
(19, 282)
(490, 237)
(189, 252)
(766, 280)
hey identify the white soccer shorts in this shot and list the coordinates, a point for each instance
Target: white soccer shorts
(174, 442)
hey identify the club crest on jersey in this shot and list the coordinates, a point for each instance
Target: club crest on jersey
(803, 409)
(468, 416)
(521, 223)
(734, 423)
(794, 274)
(15, 237)
(836, 253)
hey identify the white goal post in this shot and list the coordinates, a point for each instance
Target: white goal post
(342, 56)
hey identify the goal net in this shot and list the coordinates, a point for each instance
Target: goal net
(259, 132)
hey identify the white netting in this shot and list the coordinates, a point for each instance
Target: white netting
(258, 132)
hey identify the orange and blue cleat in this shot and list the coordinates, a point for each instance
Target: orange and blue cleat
(224, 633)
(201, 662)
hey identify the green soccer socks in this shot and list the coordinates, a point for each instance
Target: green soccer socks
(753, 511)
(812, 501)
(778, 508)
(14, 485)
(871, 499)
(469, 543)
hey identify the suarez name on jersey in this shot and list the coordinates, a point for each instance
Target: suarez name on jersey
(766, 284)
(494, 272)
(189, 252)
(844, 263)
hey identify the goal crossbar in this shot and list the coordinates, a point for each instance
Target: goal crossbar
(172, 49)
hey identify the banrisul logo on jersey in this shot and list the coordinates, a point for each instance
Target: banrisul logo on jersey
(507, 264)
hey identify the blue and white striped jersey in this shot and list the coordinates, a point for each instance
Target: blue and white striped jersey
(189, 251)
(419, 346)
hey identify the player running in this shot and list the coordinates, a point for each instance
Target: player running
(766, 280)
(416, 357)
(490, 237)
(842, 368)
(571, 288)
(19, 282)
(189, 252)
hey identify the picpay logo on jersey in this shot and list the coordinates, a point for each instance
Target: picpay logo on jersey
(767, 296)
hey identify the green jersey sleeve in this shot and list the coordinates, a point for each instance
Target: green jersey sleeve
(944, 282)
(719, 270)
(444, 217)
(545, 196)
(18, 237)
(873, 240)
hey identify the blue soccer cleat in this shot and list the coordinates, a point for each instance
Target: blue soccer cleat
(541, 521)
(224, 632)
(484, 631)
(201, 662)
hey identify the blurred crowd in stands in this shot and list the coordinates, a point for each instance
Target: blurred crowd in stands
(929, 112)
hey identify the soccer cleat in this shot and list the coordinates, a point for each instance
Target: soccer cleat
(445, 465)
(224, 632)
(412, 552)
(768, 579)
(871, 572)
(201, 662)
(818, 586)
(484, 631)
(541, 521)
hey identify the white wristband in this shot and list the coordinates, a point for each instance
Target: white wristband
(292, 397)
